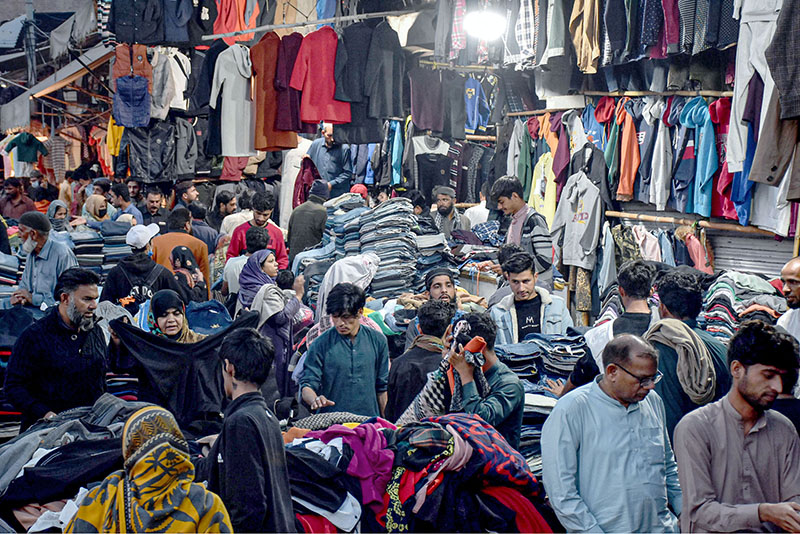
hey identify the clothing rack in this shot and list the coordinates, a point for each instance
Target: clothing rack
(348, 18)
(448, 66)
(718, 94)
(539, 111)
(471, 137)
(703, 224)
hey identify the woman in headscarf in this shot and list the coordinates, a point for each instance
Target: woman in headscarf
(276, 308)
(167, 318)
(188, 275)
(57, 213)
(261, 268)
(96, 208)
(155, 492)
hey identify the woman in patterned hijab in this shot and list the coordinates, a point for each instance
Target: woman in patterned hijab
(155, 492)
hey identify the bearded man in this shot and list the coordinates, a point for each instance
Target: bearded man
(447, 217)
(59, 362)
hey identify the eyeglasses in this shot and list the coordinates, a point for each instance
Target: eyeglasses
(645, 381)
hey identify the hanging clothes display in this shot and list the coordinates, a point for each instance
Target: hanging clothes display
(232, 74)
(264, 57)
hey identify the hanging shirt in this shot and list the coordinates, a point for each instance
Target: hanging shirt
(477, 108)
(313, 74)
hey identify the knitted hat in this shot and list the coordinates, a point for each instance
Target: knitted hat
(320, 188)
(36, 221)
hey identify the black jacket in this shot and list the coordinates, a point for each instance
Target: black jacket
(54, 368)
(407, 377)
(137, 21)
(152, 151)
(202, 231)
(246, 467)
(128, 279)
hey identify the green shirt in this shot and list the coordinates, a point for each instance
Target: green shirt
(351, 373)
(503, 406)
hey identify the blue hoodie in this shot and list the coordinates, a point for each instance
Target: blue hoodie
(683, 161)
(695, 115)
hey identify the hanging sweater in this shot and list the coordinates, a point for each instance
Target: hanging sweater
(576, 226)
(695, 115)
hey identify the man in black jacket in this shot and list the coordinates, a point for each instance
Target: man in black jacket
(59, 362)
(134, 279)
(409, 372)
(200, 229)
(153, 212)
(246, 466)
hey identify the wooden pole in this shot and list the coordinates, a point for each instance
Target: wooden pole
(704, 224)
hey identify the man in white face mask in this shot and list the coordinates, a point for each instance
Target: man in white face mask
(47, 259)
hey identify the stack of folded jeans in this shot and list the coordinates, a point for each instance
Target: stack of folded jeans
(89, 250)
(313, 264)
(341, 211)
(114, 250)
(538, 358)
(386, 231)
(537, 408)
(341, 225)
(433, 254)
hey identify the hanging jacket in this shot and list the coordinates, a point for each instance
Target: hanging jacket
(628, 152)
(185, 150)
(721, 205)
(696, 115)
(137, 21)
(573, 123)
(576, 227)
(302, 186)
(661, 165)
(477, 108)
(561, 155)
(132, 60)
(645, 124)
(176, 20)
(683, 162)
(152, 151)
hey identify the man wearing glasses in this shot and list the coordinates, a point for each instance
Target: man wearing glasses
(608, 464)
(692, 360)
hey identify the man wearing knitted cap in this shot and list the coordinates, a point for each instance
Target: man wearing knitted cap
(47, 259)
(447, 217)
(307, 223)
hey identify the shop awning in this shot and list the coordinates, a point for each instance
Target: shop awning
(11, 114)
(10, 30)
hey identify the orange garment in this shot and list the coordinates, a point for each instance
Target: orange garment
(760, 307)
(629, 152)
(230, 18)
(264, 57)
(162, 252)
(141, 66)
(551, 138)
(294, 433)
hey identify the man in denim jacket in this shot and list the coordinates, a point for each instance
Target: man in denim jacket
(529, 309)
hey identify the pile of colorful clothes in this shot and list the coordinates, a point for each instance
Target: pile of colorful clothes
(451, 473)
(737, 297)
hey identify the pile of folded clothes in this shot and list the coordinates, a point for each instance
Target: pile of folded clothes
(313, 264)
(539, 358)
(386, 231)
(89, 250)
(433, 254)
(114, 250)
(342, 211)
(9, 276)
(737, 297)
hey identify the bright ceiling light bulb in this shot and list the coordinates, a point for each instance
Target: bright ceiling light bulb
(485, 24)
